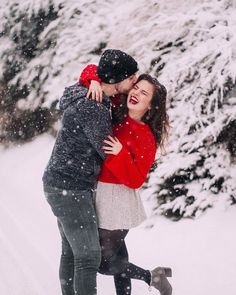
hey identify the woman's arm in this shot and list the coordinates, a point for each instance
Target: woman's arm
(130, 169)
(90, 79)
(88, 74)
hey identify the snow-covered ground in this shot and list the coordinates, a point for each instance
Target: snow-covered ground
(201, 252)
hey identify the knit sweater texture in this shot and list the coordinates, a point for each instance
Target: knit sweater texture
(77, 154)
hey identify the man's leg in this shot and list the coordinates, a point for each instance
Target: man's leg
(66, 270)
(77, 218)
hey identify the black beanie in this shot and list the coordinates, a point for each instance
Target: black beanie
(115, 66)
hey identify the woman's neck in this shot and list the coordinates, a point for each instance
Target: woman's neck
(136, 116)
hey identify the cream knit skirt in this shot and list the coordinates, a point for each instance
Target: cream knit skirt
(118, 207)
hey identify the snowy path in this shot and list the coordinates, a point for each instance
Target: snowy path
(201, 252)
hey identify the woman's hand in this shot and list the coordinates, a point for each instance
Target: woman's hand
(113, 146)
(95, 91)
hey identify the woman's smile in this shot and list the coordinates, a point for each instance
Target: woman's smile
(133, 99)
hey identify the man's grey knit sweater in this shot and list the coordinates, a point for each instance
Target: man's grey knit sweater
(77, 154)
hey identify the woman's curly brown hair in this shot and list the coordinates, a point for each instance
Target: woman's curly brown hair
(156, 118)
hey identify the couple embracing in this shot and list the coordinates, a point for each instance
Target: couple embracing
(101, 157)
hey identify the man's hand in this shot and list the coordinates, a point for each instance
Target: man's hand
(113, 146)
(95, 91)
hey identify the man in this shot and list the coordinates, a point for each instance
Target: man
(71, 174)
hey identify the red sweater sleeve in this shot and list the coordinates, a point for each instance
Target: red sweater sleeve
(89, 73)
(132, 170)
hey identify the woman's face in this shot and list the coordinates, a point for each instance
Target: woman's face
(140, 97)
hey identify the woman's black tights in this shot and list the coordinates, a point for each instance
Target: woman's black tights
(115, 261)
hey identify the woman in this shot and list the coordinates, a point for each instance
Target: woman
(140, 125)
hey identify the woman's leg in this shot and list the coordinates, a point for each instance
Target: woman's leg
(122, 284)
(111, 241)
(115, 261)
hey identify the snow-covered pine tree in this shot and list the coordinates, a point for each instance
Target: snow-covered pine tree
(43, 47)
(198, 57)
(189, 45)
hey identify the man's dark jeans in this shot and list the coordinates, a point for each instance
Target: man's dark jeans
(81, 253)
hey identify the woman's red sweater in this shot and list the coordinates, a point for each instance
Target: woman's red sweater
(88, 74)
(131, 166)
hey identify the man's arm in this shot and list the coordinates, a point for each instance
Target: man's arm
(95, 120)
